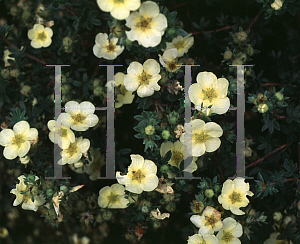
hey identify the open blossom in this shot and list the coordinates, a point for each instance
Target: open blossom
(25, 193)
(119, 9)
(177, 149)
(112, 197)
(147, 25)
(40, 36)
(277, 4)
(141, 175)
(230, 232)
(6, 57)
(93, 169)
(105, 48)
(17, 141)
(182, 44)
(205, 239)
(169, 60)
(203, 137)
(73, 153)
(124, 96)
(80, 116)
(208, 222)
(60, 132)
(273, 239)
(210, 91)
(143, 78)
(234, 194)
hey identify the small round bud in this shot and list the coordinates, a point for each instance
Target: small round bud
(166, 134)
(64, 189)
(279, 96)
(26, 90)
(277, 216)
(67, 41)
(145, 209)
(164, 169)
(14, 11)
(262, 108)
(107, 215)
(133, 198)
(96, 83)
(241, 56)
(251, 212)
(169, 197)
(3, 232)
(26, 15)
(217, 188)
(116, 31)
(240, 37)
(98, 91)
(227, 55)
(25, 160)
(197, 206)
(15, 73)
(237, 61)
(5, 73)
(209, 193)
(65, 89)
(171, 207)
(248, 152)
(49, 192)
(171, 31)
(149, 130)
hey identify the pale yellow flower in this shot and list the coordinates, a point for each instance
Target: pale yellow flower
(28, 191)
(80, 116)
(182, 44)
(169, 60)
(230, 232)
(234, 194)
(82, 240)
(273, 240)
(105, 48)
(40, 36)
(208, 222)
(60, 132)
(177, 149)
(143, 78)
(6, 57)
(112, 197)
(25, 160)
(125, 96)
(119, 9)
(277, 4)
(17, 140)
(94, 169)
(203, 137)
(147, 25)
(205, 239)
(141, 175)
(210, 91)
(73, 153)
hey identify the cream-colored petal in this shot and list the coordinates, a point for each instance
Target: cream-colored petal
(149, 9)
(122, 202)
(29, 205)
(236, 210)
(132, 20)
(151, 66)
(238, 230)
(128, 98)
(213, 129)
(149, 167)
(229, 224)
(218, 226)
(119, 77)
(91, 120)
(109, 55)
(235, 241)
(31, 134)
(51, 125)
(210, 239)
(39, 200)
(137, 162)
(154, 86)
(47, 43)
(222, 87)
(150, 183)
(170, 54)
(206, 79)
(198, 220)
(154, 79)
(73, 159)
(195, 239)
(212, 144)
(24, 149)
(122, 179)
(6, 137)
(195, 94)
(134, 188)
(240, 185)
(32, 34)
(39, 28)
(11, 152)
(220, 105)
(78, 127)
(165, 147)
(228, 187)
(65, 119)
(35, 43)
(106, 5)
(149, 38)
(118, 189)
(197, 124)
(159, 23)
(21, 127)
(98, 51)
(120, 11)
(18, 200)
(135, 68)
(206, 229)
(145, 91)
(63, 143)
(132, 4)
(131, 82)
(86, 108)
(48, 32)
(134, 34)
(84, 145)
(72, 108)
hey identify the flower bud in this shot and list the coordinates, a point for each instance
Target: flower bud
(248, 152)
(14, 11)
(133, 198)
(197, 206)
(26, 15)
(67, 41)
(25, 160)
(3, 232)
(251, 212)
(171, 31)
(25, 90)
(98, 91)
(49, 192)
(107, 215)
(262, 108)
(5, 73)
(240, 36)
(65, 89)
(209, 193)
(166, 134)
(116, 31)
(217, 188)
(164, 169)
(279, 96)
(149, 130)
(15, 73)
(64, 189)
(227, 55)
(277, 216)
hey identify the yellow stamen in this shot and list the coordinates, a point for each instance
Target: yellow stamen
(78, 118)
(177, 157)
(18, 140)
(137, 175)
(227, 236)
(209, 94)
(200, 137)
(42, 36)
(235, 197)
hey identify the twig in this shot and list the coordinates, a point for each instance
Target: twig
(91, 3)
(254, 20)
(263, 158)
(15, 47)
(71, 10)
(273, 84)
(212, 31)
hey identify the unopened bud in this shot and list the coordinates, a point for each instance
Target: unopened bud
(149, 130)
(5, 73)
(279, 96)
(262, 108)
(209, 193)
(15, 73)
(227, 55)
(240, 37)
(164, 168)
(166, 134)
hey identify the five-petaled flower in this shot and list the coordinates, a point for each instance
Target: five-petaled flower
(17, 140)
(230, 232)
(141, 175)
(112, 197)
(210, 91)
(277, 4)
(119, 9)
(80, 116)
(208, 222)
(203, 137)
(147, 25)
(234, 194)
(205, 239)
(143, 78)
(105, 48)
(40, 36)
(169, 60)
(182, 44)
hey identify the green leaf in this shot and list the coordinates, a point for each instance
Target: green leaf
(168, 156)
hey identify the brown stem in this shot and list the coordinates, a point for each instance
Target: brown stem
(91, 3)
(264, 157)
(15, 47)
(254, 20)
(273, 84)
(291, 179)
(279, 117)
(211, 31)
(71, 10)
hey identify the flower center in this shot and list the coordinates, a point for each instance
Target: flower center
(41, 36)
(235, 197)
(137, 175)
(112, 198)
(179, 44)
(119, 1)
(18, 140)
(200, 137)
(78, 118)
(144, 78)
(72, 149)
(177, 157)
(227, 236)
(210, 220)
(209, 94)
(110, 47)
(63, 132)
(144, 23)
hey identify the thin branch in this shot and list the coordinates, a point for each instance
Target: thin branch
(254, 20)
(212, 31)
(95, 5)
(71, 10)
